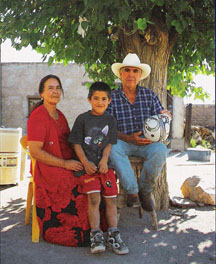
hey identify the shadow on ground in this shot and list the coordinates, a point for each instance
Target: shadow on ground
(184, 236)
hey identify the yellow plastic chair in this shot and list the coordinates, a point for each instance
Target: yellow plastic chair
(31, 195)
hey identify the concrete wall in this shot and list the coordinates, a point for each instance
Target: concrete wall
(20, 80)
(203, 115)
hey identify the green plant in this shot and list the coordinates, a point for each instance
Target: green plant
(205, 144)
(193, 143)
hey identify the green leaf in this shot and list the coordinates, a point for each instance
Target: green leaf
(51, 10)
(141, 22)
(168, 21)
(192, 10)
(159, 2)
(124, 13)
(50, 60)
(84, 25)
(177, 24)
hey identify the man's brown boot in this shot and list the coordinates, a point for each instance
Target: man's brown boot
(147, 201)
(132, 199)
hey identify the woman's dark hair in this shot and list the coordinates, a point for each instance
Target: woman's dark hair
(41, 88)
(99, 86)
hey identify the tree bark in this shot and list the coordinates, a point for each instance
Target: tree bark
(153, 47)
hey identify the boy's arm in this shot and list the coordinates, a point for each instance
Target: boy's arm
(102, 166)
(90, 167)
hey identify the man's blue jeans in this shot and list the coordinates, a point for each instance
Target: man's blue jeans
(155, 158)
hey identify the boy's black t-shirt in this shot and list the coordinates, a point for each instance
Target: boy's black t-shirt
(93, 133)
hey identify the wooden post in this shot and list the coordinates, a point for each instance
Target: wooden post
(188, 125)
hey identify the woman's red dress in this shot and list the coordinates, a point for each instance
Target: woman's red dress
(61, 209)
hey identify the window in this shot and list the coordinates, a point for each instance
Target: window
(32, 100)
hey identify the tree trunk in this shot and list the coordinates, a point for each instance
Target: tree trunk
(154, 48)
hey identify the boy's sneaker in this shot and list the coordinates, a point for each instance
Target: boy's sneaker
(97, 242)
(115, 243)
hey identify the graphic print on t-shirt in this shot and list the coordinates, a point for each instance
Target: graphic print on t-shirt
(96, 137)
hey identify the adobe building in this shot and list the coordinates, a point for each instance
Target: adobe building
(19, 90)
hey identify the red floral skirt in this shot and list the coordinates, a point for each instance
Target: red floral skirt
(63, 214)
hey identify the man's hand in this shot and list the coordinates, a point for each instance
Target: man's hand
(139, 141)
(166, 112)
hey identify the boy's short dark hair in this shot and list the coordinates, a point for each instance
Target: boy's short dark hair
(99, 86)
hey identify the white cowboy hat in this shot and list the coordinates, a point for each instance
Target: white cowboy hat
(131, 60)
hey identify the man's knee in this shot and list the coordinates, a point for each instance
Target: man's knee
(158, 150)
(159, 147)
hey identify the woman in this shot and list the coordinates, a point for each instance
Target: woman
(61, 209)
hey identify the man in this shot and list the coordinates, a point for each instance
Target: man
(131, 104)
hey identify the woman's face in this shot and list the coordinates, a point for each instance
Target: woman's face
(52, 91)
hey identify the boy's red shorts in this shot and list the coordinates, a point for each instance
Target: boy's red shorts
(97, 182)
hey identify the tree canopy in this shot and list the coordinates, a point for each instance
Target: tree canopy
(89, 32)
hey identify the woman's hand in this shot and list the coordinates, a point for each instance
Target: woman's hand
(73, 165)
(89, 166)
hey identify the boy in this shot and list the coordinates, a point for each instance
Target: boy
(92, 136)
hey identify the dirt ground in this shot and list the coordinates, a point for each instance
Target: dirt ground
(185, 236)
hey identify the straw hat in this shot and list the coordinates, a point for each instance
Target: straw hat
(131, 60)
